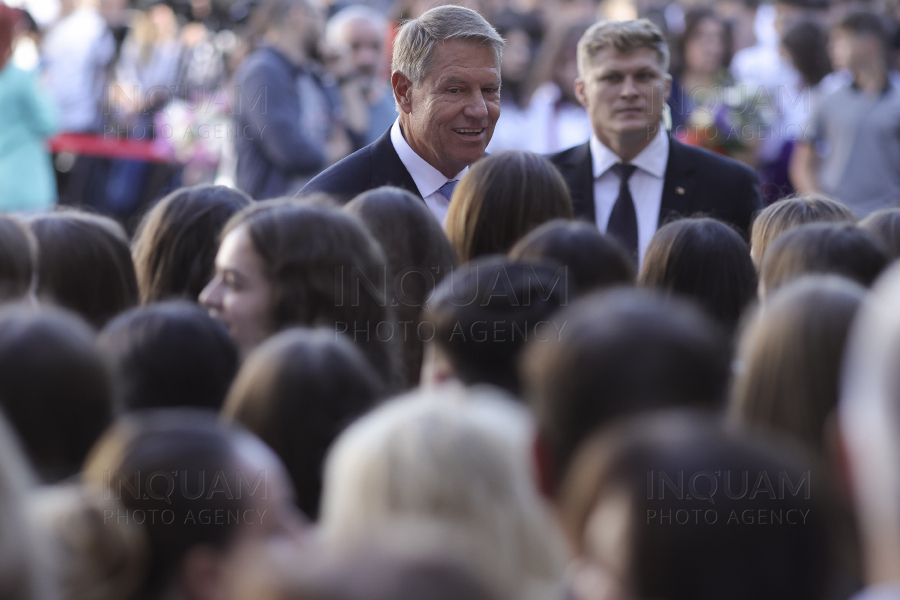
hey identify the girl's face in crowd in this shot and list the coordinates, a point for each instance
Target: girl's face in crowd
(240, 293)
(705, 51)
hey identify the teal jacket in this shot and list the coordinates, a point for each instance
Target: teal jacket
(27, 119)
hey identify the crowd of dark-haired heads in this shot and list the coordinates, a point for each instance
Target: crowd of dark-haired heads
(318, 397)
(298, 399)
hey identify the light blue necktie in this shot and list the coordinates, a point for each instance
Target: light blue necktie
(447, 189)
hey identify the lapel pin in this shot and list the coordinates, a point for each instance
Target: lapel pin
(679, 190)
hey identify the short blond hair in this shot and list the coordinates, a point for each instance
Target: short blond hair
(624, 36)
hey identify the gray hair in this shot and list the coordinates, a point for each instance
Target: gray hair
(354, 12)
(417, 38)
(624, 36)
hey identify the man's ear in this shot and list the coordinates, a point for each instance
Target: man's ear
(543, 467)
(402, 91)
(201, 573)
(668, 87)
(579, 92)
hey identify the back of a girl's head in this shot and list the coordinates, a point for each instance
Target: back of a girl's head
(593, 261)
(175, 246)
(500, 199)
(792, 212)
(99, 554)
(54, 386)
(200, 479)
(676, 507)
(25, 556)
(451, 456)
(884, 225)
(418, 253)
(704, 260)
(845, 250)
(84, 264)
(790, 356)
(169, 354)
(297, 392)
(18, 258)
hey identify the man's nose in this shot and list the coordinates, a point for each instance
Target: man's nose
(476, 106)
(628, 87)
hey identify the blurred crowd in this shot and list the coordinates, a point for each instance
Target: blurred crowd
(172, 74)
(215, 388)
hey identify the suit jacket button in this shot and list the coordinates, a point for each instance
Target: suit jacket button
(680, 191)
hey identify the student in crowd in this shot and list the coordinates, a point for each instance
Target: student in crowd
(209, 487)
(54, 387)
(482, 315)
(84, 264)
(884, 225)
(418, 256)
(97, 556)
(18, 259)
(456, 457)
(821, 248)
(869, 432)
(792, 212)
(175, 245)
(790, 356)
(283, 263)
(593, 261)
(169, 354)
(704, 260)
(297, 391)
(619, 353)
(625, 500)
(501, 199)
(25, 554)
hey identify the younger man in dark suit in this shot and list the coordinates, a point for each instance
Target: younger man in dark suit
(632, 176)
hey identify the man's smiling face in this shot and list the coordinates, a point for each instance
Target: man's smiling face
(450, 118)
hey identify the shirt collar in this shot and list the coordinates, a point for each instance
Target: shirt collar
(652, 159)
(428, 180)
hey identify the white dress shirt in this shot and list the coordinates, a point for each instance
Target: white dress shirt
(428, 179)
(645, 185)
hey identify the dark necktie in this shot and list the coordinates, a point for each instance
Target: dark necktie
(623, 219)
(447, 189)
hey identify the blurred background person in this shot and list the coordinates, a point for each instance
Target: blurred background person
(355, 37)
(289, 117)
(27, 118)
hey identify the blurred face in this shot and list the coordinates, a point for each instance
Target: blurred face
(624, 94)
(516, 56)
(365, 44)
(240, 294)
(705, 51)
(849, 51)
(450, 118)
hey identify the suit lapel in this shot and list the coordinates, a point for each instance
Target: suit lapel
(387, 168)
(678, 185)
(578, 171)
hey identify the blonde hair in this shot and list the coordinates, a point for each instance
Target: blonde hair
(100, 557)
(454, 456)
(624, 36)
(792, 212)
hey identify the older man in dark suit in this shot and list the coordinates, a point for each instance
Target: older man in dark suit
(632, 176)
(446, 82)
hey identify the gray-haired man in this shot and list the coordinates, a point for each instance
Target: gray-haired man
(445, 74)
